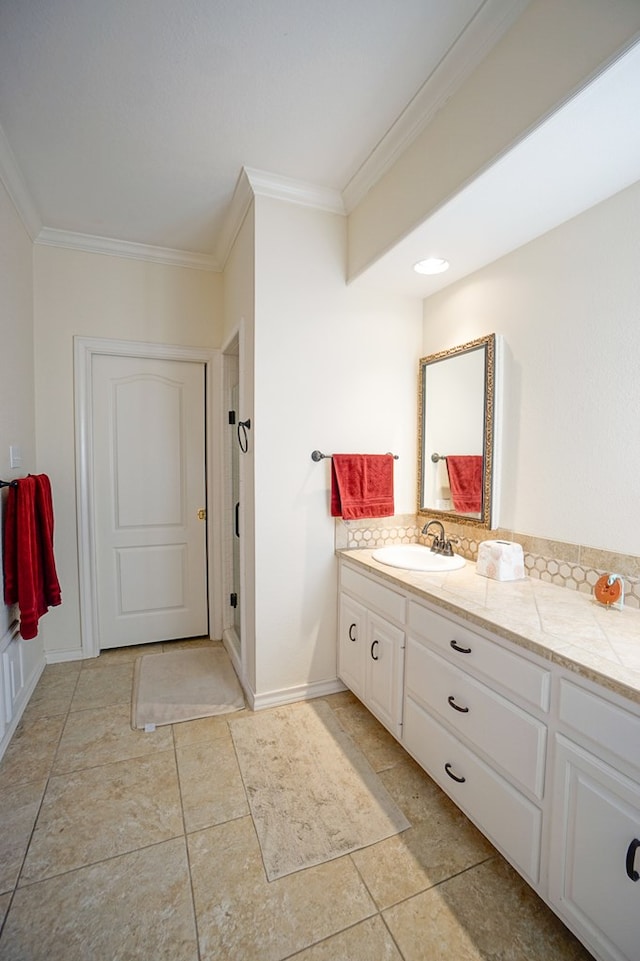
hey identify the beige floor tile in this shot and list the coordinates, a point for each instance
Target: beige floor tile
(63, 667)
(242, 916)
(102, 688)
(191, 642)
(483, 914)
(120, 655)
(381, 750)
(31, 751)
(210, 783)
(5, 901)
(441, 841)
(136, 907)
(104, 811)
(52, 695)
(368, 941)
(19, 805)
(104, 735)
(202, 729)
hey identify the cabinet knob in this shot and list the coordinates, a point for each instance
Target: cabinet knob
(460, 650)
(352, 628)
(454, 777)
(456, 707)
(632, 874)
(374, 656)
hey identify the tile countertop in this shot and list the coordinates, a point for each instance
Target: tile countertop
(566, 627)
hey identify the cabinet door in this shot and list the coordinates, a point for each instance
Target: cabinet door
(384, 672)
(351, 644)
(594, 878)
(13, 671)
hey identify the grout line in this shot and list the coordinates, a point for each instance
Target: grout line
(186, 843)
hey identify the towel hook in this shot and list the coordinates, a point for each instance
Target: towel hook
(243, 439)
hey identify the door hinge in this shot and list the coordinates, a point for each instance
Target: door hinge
(233, 600)
(232, 416)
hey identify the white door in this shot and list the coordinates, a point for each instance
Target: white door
(149, 499)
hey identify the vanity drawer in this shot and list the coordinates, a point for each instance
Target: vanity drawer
(603, 722)
(478, 654)
(373, 594)
(508, 819)
(515, 740)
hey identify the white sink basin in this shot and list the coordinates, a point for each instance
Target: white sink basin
(416, 557)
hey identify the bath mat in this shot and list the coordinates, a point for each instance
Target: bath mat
(312, 794)
(182, 686)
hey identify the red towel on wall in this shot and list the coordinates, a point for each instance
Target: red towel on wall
(465, 480)
(362, 485)
(30, 578)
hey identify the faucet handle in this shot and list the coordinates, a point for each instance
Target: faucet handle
(447, 549)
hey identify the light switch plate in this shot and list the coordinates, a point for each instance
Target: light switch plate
(15, 456)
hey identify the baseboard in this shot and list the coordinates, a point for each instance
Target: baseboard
(303, 692)
(58, 657)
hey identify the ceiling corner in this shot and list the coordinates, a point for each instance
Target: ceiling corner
(17, 189)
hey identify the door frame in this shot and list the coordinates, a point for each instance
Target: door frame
(85, 348)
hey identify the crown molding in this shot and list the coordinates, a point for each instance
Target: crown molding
(17, 189)
(466, 53)
(50, 237)
(259, 183)
(238, 208)
(266, 184)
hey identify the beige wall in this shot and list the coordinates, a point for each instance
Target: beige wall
(334, 370)
(92, 295)
(17, 417)
(567, 307)
(551, 50)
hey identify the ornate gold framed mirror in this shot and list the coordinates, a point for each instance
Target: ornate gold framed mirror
(456, 416)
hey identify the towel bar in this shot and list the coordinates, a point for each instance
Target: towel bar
(12, 483)
(317, 455)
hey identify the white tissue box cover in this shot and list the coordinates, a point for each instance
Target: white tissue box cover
(500, 560)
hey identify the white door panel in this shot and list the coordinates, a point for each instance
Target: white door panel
(149, 484)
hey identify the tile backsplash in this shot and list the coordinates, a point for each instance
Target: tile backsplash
(567, 565)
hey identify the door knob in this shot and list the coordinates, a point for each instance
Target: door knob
(202, 514)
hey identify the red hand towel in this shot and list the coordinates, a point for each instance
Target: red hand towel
(30, 578)
(362, 485)
(465, 480)
(44, 520)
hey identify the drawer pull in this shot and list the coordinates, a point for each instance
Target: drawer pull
(454, 777)
(352, 628)
(374, 656)
(456, 707)
(632, 874)
(460, 650)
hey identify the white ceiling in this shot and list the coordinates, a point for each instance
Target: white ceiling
(131, 121)
(124, 126)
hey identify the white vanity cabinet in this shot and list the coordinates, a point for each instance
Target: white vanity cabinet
(594, 866)
(469, 723)
(371, 646)
(545, 762)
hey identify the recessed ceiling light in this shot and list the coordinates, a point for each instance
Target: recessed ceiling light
(432, 265)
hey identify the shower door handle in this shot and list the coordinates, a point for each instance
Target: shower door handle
(237, 519)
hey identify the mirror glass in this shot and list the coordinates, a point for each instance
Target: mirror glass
(455, 432)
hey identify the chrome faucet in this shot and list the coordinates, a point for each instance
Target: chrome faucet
(441, 544)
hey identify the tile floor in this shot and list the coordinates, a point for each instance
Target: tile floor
(116, 845)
